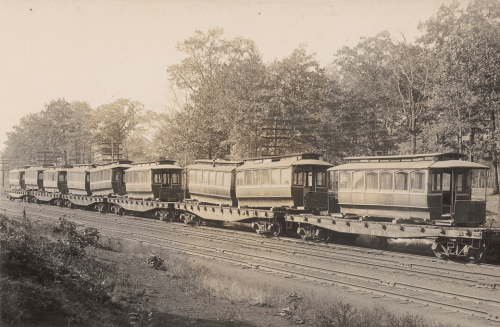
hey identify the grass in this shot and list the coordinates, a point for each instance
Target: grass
(48, 274)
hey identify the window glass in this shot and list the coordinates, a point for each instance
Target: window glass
(227, 179)
(275, 176)
(165, 180)
(285, 176)
(156, 178)
(333, 184)
(372, 181)
(212, 177)
(401, 179)
(345, 181)
(219, 178)
(266, 177)
(386, 181)
(206, 175)
(462, 183)
(417, 181)
(176, 178)
(192, 176)
(248, 177)
(436, 182)
(321, 179)
(309, 179)
(61, 178)
(298, 178)
(199, 177)
(446, 182)
(358, 180)
(88, 178)
(240, 178)
(256, 177)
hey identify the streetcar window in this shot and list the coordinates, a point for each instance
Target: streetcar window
(227, 180)
(285, 176)
(219, 178)
(248, 178)
(240, 178)
(87, 178)
(212, 178)
(61, 178)
(266, 177)
(192, 176)
(386, 181)
(417, 181)
(309, 179)
(446, 182)
(437, 182)
(118, 176)
(275, 176)
(401, 181)
(165, 180)
(298, 178)
(176, 178)
(462, 183)
(358, 180)
(321, 179)
(333, 183)
(345, 181)
(256, 177)
(206, 175)
(199, 177)
(156, 178)
(372, 181)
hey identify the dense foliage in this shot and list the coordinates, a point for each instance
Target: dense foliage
(382, 96)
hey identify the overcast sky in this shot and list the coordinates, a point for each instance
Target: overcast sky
(99, 51)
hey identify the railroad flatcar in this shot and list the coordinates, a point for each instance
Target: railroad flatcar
(410, 196)
(431, 188)
(291, 181)
(213, 181)
(108, 179)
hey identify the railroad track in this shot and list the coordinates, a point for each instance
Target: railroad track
(325, 252)
(467, 304)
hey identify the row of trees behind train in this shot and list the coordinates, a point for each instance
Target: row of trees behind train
(382, 96)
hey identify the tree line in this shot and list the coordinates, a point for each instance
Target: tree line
(383, 96)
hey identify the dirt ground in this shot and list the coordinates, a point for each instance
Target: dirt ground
(178, 303)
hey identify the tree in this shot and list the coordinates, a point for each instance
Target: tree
(113, 122)
(466, 45)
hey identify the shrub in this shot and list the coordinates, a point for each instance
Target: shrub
(155, 261)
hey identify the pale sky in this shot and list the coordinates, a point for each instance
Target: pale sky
(99, 51)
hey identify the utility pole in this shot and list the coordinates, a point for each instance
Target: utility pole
(276, 136)
(4, 161)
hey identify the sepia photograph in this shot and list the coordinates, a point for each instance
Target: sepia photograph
(250, 163)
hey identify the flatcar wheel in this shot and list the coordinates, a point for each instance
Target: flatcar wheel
(327, 236)
(276, 228)
(102, 208)
(183, 218)
(197, 221)
(163, 215)
(440, 248)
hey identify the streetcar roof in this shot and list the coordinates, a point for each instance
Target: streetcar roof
(409, 157)
(153, 165)
(212, 168)
(284, 163)
(409, 165)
